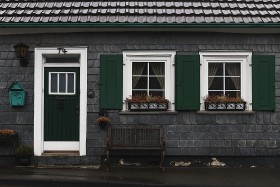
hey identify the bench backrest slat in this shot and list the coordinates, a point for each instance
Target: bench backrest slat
(135, 136)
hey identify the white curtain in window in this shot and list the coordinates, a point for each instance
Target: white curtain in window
(158, 69)
(137, 69)
(212, 72)
(234, 70)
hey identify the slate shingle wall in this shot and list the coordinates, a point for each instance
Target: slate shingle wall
(187, 133)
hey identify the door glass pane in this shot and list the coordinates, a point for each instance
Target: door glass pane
(53, 82)
(71, 83)
(62, 82)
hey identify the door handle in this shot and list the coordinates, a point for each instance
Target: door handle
(77, 109)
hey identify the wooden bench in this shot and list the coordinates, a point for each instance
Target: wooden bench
(136, 139)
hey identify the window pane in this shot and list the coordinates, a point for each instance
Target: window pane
(215, 69)
(215, 83)
(62, 60)
(233, 94)
(232, 69)
(232, 83)
(215, 93)
(156, 82)
(156, 93)
(71, 83)
(141, 83)
(139, 93)
(62, 82)
(139, 68)
(53, 82)
(156, 68)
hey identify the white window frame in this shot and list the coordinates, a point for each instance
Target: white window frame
(168, 57)
(58, 84)
(242, 57)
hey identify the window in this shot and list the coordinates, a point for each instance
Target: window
(149, 73)
(224, 79)
(226, 73)
(62, 83)
(148, 78)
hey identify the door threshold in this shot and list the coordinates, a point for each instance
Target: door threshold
(61, 153)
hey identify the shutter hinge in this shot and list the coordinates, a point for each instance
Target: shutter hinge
(250, 64)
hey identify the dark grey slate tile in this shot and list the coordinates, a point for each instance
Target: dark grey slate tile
(178, 4)
(205, 4)
(260, 6)
(198, 11)
(229, 20)
(224, 5)
(169, 4)
(57, 5)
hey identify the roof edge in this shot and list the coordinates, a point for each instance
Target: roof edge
(139, 25)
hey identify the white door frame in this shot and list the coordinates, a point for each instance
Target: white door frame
(39, 65)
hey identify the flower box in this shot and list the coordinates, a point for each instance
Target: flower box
(103, 121)
(147, 103)
(230, 106)
(8, 138)
(145, 106)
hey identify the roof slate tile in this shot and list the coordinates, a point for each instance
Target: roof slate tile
(152, 11)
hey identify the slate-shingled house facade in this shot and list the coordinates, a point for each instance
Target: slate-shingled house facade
(92, 45)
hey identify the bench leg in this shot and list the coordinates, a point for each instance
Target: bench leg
(162, 160)
(107, 160)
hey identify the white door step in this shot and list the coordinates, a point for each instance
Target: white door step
(61, 153)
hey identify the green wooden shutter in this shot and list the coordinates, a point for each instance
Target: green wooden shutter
(187, 82)
(263, 82)
(111, 83)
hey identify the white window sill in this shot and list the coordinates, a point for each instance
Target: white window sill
(127, 112)
(226, 112)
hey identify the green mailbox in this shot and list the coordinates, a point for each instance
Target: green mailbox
(16, 95)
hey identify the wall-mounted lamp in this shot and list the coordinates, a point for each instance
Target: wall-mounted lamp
(21, 53)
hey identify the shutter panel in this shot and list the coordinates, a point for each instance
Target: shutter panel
(111, 83)
(187, 82)
(263, 82)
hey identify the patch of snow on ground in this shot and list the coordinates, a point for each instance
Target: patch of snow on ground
(181, 164)
(216, 163)
(123, 163)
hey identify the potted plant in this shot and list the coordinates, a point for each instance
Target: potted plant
(23, 155)
(8, 136)
(147, 102)
(222, 102)
(103, 121)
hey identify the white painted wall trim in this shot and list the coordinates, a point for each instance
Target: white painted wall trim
(39, 65)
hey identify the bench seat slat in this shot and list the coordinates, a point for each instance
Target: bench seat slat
(136, 148)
